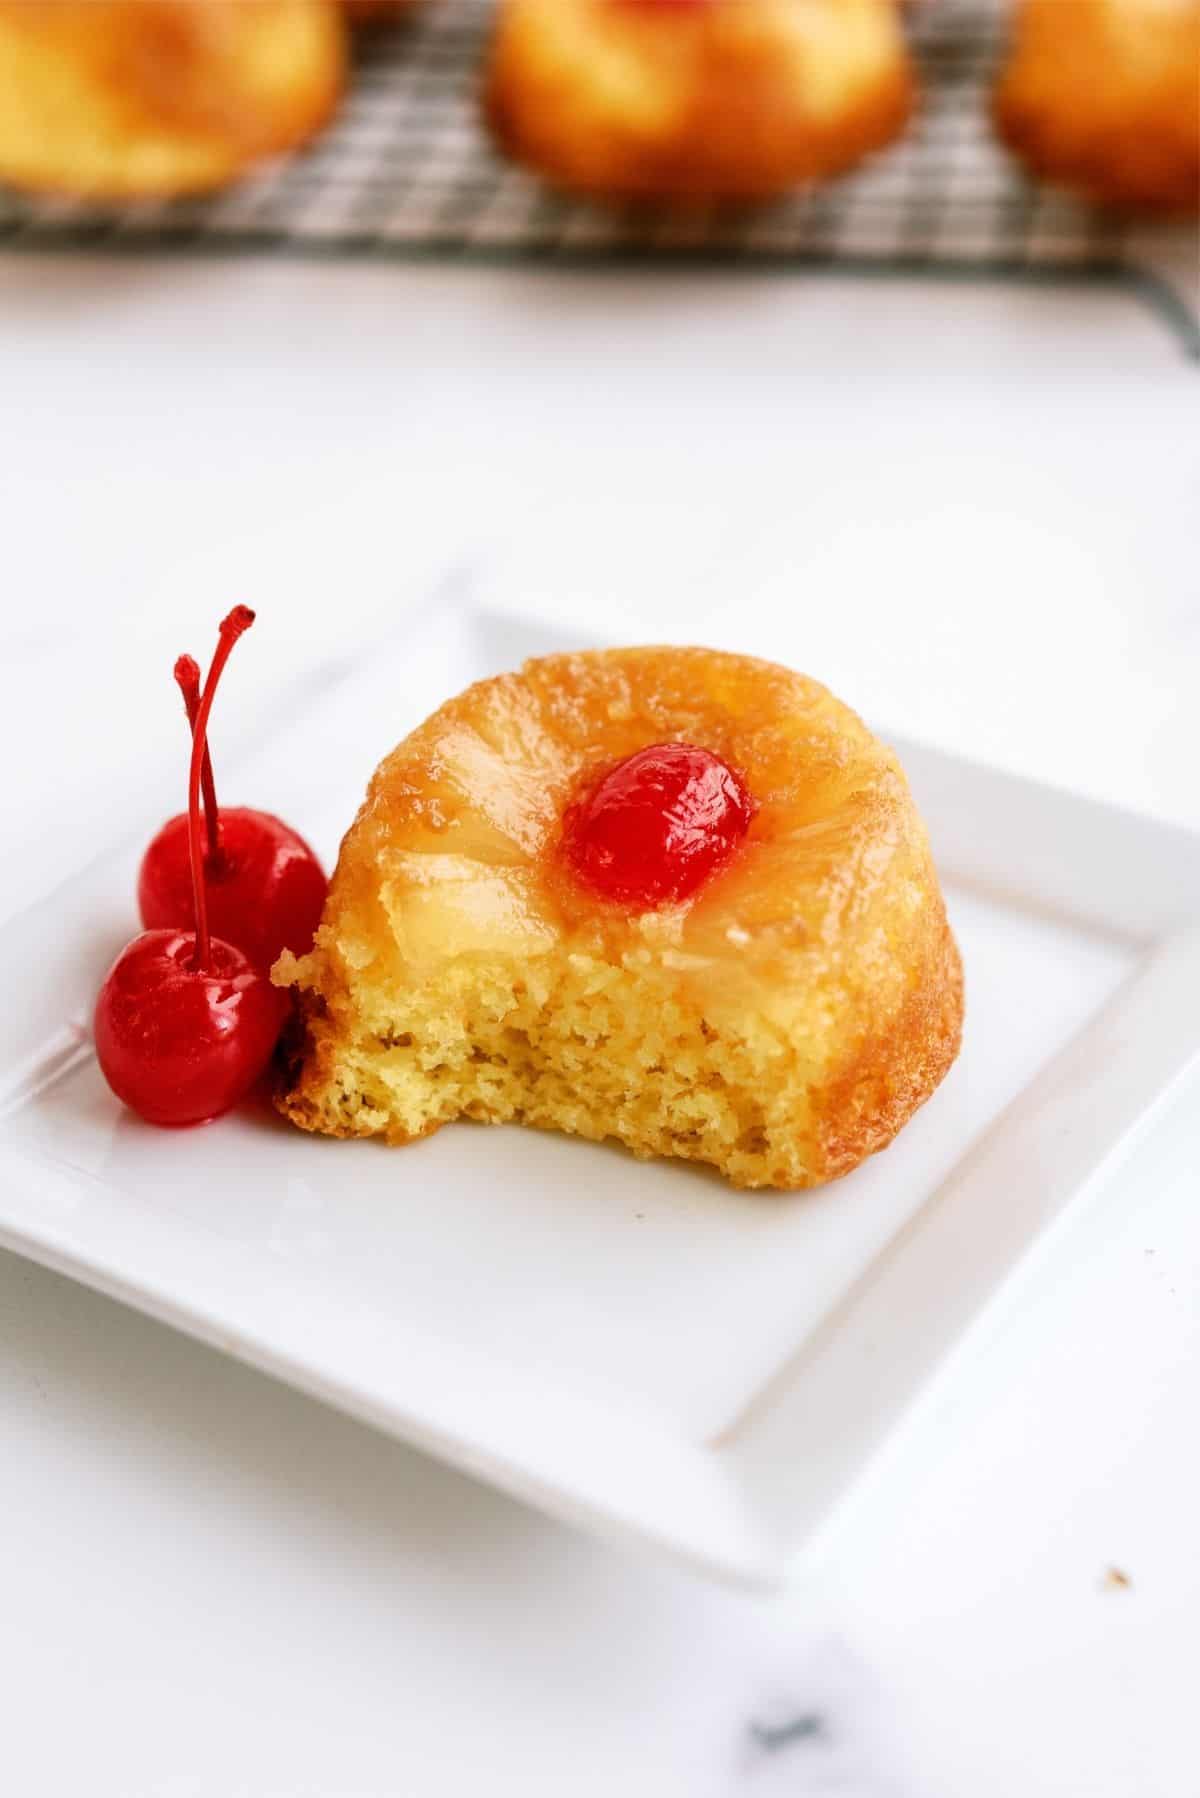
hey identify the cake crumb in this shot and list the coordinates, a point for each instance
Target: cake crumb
(1116, 1580)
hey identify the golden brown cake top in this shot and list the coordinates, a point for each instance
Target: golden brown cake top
(489, 777)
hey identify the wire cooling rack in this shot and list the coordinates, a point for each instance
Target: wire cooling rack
(407, 172)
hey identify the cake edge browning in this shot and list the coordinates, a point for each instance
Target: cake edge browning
(865, 1107)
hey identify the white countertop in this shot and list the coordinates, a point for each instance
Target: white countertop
(972, 511)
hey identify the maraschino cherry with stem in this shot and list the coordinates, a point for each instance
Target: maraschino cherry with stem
(185, 1022)
(657, 825)
(266, 887)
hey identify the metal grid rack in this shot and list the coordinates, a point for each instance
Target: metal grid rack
(407, 172)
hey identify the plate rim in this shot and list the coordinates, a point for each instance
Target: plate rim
(732, 1529)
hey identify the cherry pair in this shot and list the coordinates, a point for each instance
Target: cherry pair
(187, 1018)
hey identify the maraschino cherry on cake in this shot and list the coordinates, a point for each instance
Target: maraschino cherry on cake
(695, 100)
(673, 897)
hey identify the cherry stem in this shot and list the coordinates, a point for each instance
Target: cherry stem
(187, 679)
(239, 620)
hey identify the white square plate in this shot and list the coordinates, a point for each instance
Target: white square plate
(633, 1345)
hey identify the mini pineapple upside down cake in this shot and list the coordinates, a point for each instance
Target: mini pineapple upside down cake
(673, 897)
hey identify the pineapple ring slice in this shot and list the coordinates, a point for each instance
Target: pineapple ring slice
(126, 99)
(712, 100)
(780, 1024)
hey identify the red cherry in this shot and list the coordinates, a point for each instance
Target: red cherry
(185, 1023)
(656, 826)
(179, 1044)
(266, 888)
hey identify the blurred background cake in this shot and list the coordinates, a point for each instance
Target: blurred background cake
(666, 102)
(130, 99)
(1104, 97)
(704, 99)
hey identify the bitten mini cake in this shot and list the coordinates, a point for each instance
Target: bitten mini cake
(669, 896)
(695, 99)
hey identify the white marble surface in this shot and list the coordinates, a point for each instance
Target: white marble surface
(973, 511)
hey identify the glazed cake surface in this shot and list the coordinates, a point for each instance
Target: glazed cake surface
(780, 1025)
